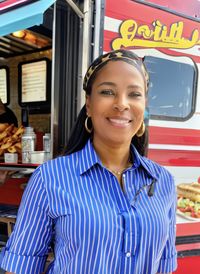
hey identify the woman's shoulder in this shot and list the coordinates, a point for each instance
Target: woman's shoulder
(61, 162)
(58, 170)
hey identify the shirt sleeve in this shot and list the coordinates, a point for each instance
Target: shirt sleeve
(27, 248)
(168, 262)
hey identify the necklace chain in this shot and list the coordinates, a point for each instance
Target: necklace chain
(119, 172)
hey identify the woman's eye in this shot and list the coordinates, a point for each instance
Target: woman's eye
(106, 92)
(135, 94)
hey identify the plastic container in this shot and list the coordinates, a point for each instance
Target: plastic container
(37, 157)
(10, 158)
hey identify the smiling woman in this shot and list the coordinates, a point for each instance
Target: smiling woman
(102, 206)
(134, 65)
(116, 105)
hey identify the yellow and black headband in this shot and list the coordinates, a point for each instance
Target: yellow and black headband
(121, 54)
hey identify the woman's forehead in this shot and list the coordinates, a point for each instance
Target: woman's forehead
(118, 70)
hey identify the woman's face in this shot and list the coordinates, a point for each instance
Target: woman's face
(117, 103)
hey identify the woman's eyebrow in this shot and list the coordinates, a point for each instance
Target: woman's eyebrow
(134, 86)
(107, 84)
(112, 84)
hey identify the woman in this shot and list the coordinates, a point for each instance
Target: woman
(108, 209)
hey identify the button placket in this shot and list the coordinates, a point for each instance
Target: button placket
(129, 247)
(123, 181)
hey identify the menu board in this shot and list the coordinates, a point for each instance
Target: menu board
(34, 82)
(3, 85)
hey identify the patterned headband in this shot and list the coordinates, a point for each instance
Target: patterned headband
(123, 55)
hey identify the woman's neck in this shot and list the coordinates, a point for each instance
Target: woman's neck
(113, 156)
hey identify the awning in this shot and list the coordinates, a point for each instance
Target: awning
(23, 17)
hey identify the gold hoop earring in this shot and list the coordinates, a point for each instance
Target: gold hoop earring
(86, 125)
(141, 130)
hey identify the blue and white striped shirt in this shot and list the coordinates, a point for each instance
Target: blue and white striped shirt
(97, 228)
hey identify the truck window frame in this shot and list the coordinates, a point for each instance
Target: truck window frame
(193, 90)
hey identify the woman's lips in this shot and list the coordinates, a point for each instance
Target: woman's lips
(119, 122)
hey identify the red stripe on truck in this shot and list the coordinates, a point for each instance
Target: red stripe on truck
(174, 136)
(169, 157)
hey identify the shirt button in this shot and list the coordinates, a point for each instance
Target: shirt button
(128, 254)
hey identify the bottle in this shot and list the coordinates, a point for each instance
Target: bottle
(47, 142)
(47, 146)
(28, 144)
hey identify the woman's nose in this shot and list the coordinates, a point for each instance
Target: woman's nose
(121, 103)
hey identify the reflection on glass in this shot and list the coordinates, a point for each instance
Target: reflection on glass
(171, 88)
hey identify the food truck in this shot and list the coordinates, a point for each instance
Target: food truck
(167, 35)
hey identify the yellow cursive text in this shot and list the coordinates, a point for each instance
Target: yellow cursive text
(156, 36)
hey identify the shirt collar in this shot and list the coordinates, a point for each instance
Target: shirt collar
(141, 161)
(88, 158)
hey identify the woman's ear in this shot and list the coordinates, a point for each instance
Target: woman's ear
(87, 104)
